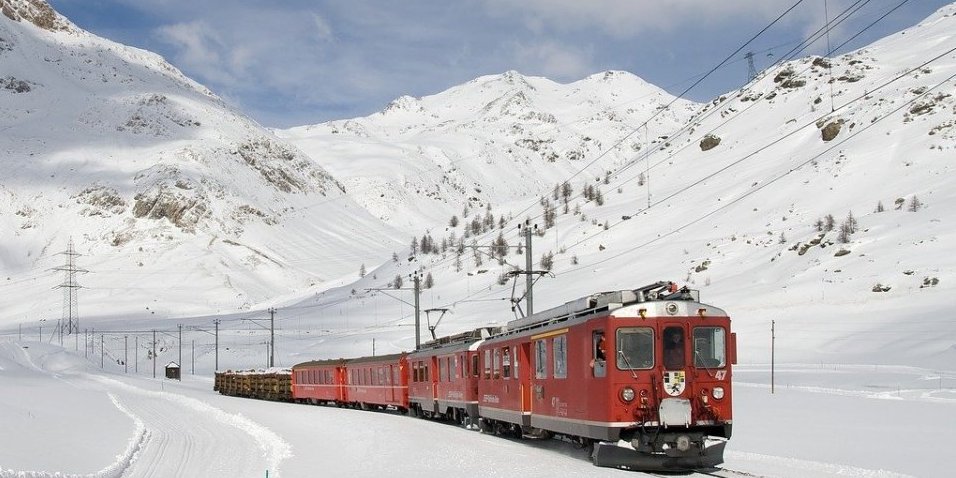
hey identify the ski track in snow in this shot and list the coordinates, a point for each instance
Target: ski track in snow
(926, 395)
(776, 466)
(179, 425)
(170, 430)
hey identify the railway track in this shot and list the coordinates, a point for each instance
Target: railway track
(718, 473)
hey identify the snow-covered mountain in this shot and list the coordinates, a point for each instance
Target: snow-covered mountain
(733, 196)
(159, 182)
(151, 175)
(495, 139)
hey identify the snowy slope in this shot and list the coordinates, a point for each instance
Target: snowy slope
(493, 140)
(152, 176)
(737, 220)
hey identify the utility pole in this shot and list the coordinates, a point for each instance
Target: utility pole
(102, 351)
(773, 341)
(418, 315)
(136, 353)
(154, 353)
(527, 265)
(194, 358)
(180, 347)
(217, 344)
(71, 316)
(126, 354)
(752, 71)
(272, 337)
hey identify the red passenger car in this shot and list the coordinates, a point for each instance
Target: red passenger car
(650, 366)
(444, 377)
(319, 382)
(377, 382)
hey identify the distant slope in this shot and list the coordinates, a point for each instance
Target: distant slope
(494, 139)
(160, 184)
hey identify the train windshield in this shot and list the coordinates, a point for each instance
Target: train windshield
(710, 347)
(635, 348)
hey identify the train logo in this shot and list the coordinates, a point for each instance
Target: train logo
(674, 383)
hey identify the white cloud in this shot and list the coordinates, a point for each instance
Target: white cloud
(553, 59)
(198, 49)
(628, 18)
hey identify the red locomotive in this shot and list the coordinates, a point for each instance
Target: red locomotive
(641, 377)
(649, 366)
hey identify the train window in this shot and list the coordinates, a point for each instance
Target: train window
(541, 359)
(674, 349)
(487, 364)
(497, 363)
(635, 348)
(598, 354)
(560, 356)
(328, 376)
(396, 376)
(515, 354)
(710, 347)
(457, 367)
(442, 370)
(474, 365)
(506, 362)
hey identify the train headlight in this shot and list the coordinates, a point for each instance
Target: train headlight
(683, 443)
(718, 392)
(627, 394)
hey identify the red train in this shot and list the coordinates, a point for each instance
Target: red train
(641, 377)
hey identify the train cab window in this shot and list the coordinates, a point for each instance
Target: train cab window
(487, 364)
(635, 348)
(710, 347)
(474, 365)
(541, 359)
(674, 351)
(506, 362)
(598, 354)
(560, 348)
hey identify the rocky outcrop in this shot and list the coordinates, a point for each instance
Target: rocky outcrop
(37, 12)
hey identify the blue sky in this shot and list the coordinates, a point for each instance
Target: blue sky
(295, 62)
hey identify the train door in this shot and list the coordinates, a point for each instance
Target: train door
(389, 385)
(523, 373)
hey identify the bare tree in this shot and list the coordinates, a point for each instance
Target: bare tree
(915, 204)
(547, 260)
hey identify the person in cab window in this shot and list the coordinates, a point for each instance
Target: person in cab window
(673, 349)
(600, 351)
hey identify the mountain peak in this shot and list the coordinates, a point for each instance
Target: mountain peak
(37, 12)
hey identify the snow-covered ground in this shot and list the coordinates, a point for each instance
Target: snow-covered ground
(62, 416)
